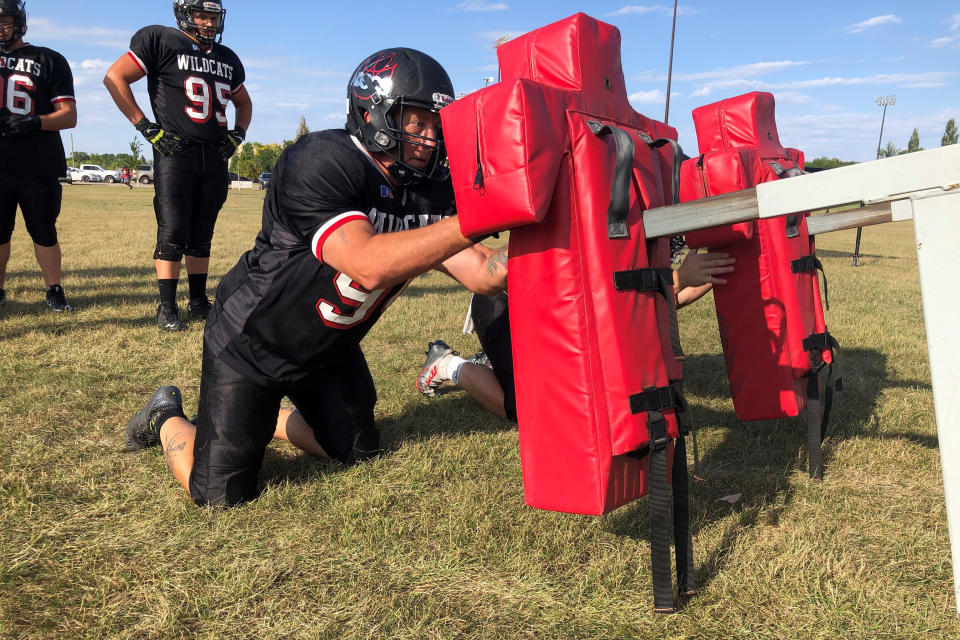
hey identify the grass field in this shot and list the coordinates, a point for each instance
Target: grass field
(433, 540)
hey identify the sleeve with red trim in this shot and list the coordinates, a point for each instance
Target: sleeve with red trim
(317, 182)
(145, 47)
(61, 79)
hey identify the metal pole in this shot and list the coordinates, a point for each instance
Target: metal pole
(673, 33)
(883, 101)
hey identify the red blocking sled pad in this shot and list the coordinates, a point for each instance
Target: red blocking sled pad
(555, 153)
(769, 312)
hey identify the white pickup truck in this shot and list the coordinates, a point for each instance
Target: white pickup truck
(90, 173)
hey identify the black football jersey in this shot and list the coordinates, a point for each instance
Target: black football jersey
(32, 80)
(281, 313)
(189, 86)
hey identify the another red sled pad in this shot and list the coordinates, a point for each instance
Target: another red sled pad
(769, 311)
(592, 311)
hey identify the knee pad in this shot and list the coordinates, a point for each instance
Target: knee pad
(44, 235)
(366, 445)
(168, 252)
(197, 250)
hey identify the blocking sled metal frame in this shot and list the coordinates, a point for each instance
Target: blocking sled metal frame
(922, 186)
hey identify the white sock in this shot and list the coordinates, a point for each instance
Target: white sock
(450, 367)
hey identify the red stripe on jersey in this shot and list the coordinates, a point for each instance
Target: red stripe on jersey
(63, 99)
(134, 57)
(239, 86)
(324, 232)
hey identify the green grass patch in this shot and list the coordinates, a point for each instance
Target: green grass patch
(433, 540)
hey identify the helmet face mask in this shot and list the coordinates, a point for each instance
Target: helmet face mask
(183, 10)
(14, 9)
(382, 88)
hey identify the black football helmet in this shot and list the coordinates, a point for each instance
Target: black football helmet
(16, 9)
(382, 85)
(183, 10)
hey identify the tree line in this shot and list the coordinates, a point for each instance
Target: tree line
(950, 136)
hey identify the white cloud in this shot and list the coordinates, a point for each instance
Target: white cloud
(46, 30)
(648, 97)
(943, 43)
(955, 21)
(480, 5)
(644, 9)
(876, 21)
(925, 85)
(923, 80)
(743, 71)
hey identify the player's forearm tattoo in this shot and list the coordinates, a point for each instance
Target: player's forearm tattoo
(497, 260)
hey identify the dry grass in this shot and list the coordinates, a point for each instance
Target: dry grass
(433, 540)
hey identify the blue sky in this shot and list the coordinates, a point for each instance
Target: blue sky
(824, 61)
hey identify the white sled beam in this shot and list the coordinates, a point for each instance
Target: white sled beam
(891, 182)
(922, 186)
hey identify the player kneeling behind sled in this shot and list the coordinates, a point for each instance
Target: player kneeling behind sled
(343, 231)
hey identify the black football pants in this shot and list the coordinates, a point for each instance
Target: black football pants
(191, 187)
(491, 321)
(39, 199)
(237, 417)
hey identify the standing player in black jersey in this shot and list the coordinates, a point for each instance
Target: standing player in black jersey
(349, 218)
(190, 79)
(36, 101)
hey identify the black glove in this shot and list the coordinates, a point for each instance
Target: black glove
(231, 140)
(166, 143)
(18, 125)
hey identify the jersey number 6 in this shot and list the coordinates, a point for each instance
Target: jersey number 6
(199, 93)
(14, 98)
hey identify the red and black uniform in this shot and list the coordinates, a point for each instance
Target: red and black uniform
(285, 323)
(32, 80)
(189, 87)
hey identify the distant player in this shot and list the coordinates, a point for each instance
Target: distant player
(36, 101)
(190, 79)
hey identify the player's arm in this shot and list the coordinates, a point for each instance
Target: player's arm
(698, 273)
(64, 116)
(480, 269)
(377, 261)
(121, 74)
(244, 106)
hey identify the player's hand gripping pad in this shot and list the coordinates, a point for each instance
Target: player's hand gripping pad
(771, 302)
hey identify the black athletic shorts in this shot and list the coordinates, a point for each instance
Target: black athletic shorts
(191, 187)
(491, 321)
(237, 417)
(39, 199)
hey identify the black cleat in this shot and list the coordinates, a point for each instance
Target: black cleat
(198, 308)
(168, 317)
(481, 359)
(3, 297)
(142, 429)
(56, 300)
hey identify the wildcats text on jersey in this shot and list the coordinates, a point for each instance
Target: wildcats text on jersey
(387, 222)
(203, 65)
(21, 64)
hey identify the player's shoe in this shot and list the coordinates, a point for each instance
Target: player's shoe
(56, 300)
(142, 429)
(168, 317)
(199, 308)
(3, 297)
(480, 359)
(431, 377)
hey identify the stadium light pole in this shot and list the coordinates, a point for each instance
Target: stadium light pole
(882, 101)
(499, 41)
(673, 33)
